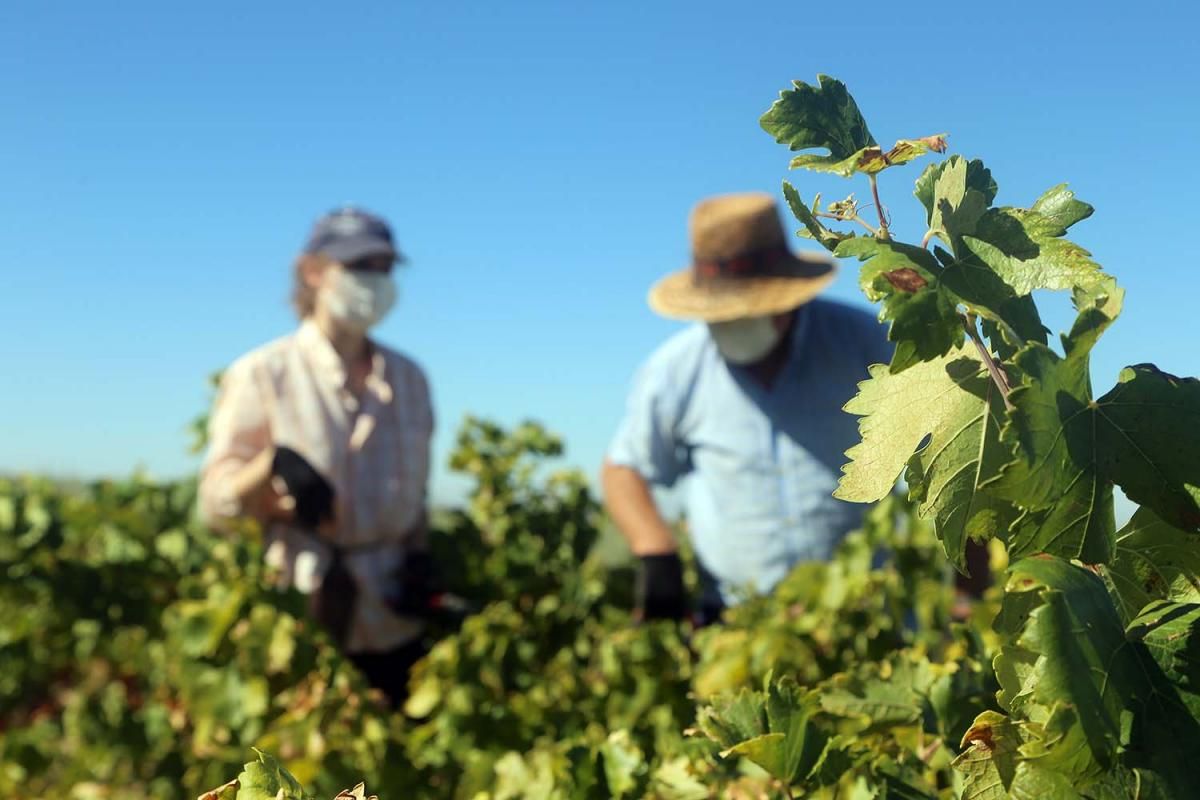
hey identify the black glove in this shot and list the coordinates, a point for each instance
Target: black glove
(418, 584)
(660, 593)
(310, 490)
(334, 601)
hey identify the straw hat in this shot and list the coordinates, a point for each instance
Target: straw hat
(741, 265)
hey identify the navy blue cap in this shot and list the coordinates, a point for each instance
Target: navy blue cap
(349, 234)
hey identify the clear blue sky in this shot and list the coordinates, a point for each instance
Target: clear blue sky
(160, 164)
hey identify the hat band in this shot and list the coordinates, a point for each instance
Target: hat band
(762, 263)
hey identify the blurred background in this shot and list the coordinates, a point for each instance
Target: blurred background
(160, 165)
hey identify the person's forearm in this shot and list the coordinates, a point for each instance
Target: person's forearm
(630, 503)
(251, 483)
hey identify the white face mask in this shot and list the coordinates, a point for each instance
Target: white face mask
(358, 299)
(744, 341)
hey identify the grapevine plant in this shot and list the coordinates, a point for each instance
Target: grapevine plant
(1001, 437)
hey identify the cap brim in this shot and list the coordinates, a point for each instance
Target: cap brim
(679, 296)
(355, 248)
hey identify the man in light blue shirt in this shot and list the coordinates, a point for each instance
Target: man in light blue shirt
(748, 404)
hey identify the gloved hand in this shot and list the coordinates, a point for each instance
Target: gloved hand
(310, 490)
(660, 593)
(418, 584)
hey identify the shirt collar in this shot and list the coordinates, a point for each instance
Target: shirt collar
(321, 354)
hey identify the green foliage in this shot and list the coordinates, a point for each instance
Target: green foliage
(1000, 437)
(1153, 561)
(144, 655)
(826, 117)
(266, 779)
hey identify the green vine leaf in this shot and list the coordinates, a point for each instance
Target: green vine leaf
(828, 239)
(883, 695)
(774, 729)
(266, 779)
(951, 401)
(958, 200)
(1095, 690)
(1142, 436)
(826, 117)
(873, 160)
(921, 293)
(731, 719)
(1067, 500)
(978, 178)
(1059, 205)
(1171, 632)
(1153, 560)
(905, 280)
(1147, 437)
(1025, 246)
(823, 116)
(990, 759)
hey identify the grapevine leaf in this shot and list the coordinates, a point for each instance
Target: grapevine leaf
(1171, 631)
(907, 150)
(623, 762)
(1034, 782)
(829, 239)
(1059, 205)
(905, 280)
(873, 160)
(1148, 441)
(1010, 326)
(1107, 697)
(963, 510)
(789, 711)
(956, 195)
(517, 778)
(1068, 502)
(795, 747)
(957, 198)
(1010, 321)
(359, 792)
(879, 695)
(225, 792)
(1060, 744)
(1154, 560)
(774, 729)
(1143, 435)
(921, 297)
(1124, 783)
(825, 116)
(978, 178)
(1014, 668)
(732, 719)
(990, 761)
(1069, 670)
(266, 779)
(1026, 249)
(675, 781)
(959, 414)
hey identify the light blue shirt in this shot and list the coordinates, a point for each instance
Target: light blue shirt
(762, 462)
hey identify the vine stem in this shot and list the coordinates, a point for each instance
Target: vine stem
(994, 369)
(883, 228)
(854, 218)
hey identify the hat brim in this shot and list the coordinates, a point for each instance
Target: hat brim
(680, 296)
(355, 248)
